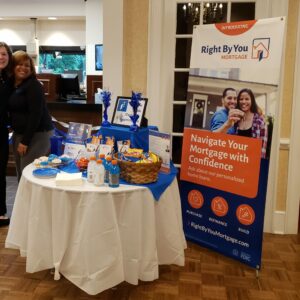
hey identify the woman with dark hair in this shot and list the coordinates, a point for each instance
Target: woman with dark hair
(5, 89)
(253, 123)
(30, 119)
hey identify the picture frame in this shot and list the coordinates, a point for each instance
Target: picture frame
(123, 111)
(99, 57)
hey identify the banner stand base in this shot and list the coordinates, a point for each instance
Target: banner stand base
(257, 274)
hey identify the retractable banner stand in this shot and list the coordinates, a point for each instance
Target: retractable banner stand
(233, 81)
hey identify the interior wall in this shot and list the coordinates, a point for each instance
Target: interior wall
(82, 24)
(135, 46)
(15, 32)
(286, 109)
(39, 8)
(62, 33)
(94, 33)
(113, 49)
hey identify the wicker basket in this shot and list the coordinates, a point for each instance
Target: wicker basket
(138, 173)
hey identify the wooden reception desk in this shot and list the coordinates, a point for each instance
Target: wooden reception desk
(51, 83)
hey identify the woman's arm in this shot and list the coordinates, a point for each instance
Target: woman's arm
(34, 96)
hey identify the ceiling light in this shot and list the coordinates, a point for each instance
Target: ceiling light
(52, 18)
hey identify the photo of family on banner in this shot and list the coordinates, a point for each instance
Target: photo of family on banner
(229, 117)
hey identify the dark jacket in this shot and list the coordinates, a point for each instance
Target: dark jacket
(5, 91)
(28, 111)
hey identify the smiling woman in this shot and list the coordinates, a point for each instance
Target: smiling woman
(253, 123)
(23, 68)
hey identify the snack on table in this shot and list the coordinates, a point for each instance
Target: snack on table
(44, 164)
(110, 141)
(134, 152)
(138, 156)
(65, 159)
(96, 139)
(37, 163)
(82, 163)
(152, 157)
(53, 160)
(139, 167)
(51, 157)
(56, 161)
(123, 146)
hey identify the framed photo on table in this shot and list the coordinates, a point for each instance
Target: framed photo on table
(123, 111)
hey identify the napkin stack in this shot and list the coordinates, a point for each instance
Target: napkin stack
(71, 179)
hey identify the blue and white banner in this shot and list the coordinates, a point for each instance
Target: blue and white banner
(254, 47)
(232, 96)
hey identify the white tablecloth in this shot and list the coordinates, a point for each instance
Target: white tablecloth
(96, 237)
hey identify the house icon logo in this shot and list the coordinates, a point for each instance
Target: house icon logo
(260, 48)
(219, 206)
(245, 214)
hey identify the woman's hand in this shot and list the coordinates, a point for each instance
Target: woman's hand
(22, 149)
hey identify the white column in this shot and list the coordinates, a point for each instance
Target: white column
(113, 49)
(293, 187)
(94, 33)
(161, 57)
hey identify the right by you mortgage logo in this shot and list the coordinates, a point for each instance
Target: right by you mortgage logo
(260, 48)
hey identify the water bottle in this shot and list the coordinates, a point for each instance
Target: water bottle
(114, 174)
(102, 156)
(107, 166)
(99, 173)
(91, 169)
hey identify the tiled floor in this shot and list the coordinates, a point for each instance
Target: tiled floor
(11, 189)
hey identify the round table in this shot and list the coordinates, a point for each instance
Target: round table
(95, 236)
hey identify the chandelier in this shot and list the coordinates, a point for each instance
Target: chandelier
(191, 12)
(212, 12)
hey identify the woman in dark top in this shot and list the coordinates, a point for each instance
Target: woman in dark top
(5, 67)
(253, 123)
(30, 119)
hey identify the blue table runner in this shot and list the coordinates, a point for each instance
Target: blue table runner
(157, 188)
